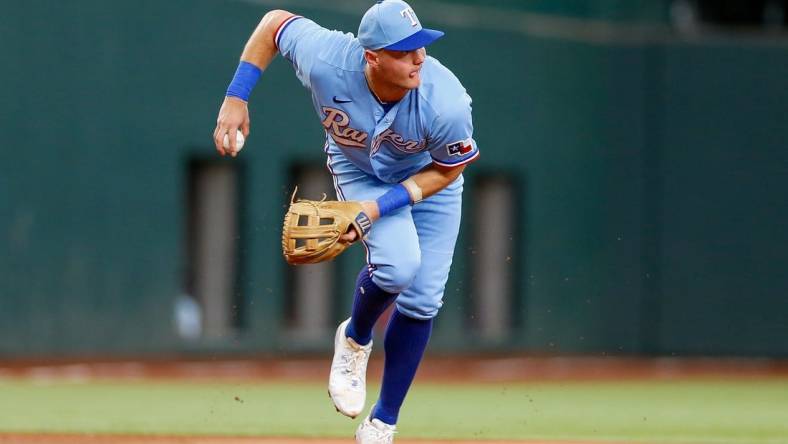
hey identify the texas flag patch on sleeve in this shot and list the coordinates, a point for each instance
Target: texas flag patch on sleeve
(460, 147)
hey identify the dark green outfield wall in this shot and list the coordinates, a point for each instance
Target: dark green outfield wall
(724, 179)
(642, 11)
(651, 176)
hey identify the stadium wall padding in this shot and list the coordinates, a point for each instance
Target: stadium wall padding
(651, 178)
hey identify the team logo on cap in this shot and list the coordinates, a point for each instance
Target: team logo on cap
(409, 14)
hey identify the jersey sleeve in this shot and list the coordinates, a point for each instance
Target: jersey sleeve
(303, 42)
(451, 137)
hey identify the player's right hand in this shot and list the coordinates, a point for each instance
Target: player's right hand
(233, 116)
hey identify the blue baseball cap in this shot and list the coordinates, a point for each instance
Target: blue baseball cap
(392, 24)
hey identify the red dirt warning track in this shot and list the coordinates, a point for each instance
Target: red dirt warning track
(467, 369)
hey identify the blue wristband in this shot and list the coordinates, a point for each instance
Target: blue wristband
(394, 199)
(244, 80)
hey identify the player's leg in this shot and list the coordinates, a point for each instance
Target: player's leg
(437, 222)
(392, 251)
(392, 261)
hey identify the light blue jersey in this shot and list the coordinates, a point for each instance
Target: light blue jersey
(430, 124)
(372, 147)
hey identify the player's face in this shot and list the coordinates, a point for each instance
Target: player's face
(402, 68)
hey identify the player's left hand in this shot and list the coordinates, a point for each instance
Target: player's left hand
(233, 116)
(371, 209)
(311, 229)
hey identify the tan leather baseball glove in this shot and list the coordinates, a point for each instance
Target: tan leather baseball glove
(311, 230)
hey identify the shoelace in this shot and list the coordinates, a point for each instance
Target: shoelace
(357, 358)
(387, 435)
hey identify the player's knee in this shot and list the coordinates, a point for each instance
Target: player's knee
(423, 309)
(397, 277)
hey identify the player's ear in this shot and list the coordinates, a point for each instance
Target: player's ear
(372, 58)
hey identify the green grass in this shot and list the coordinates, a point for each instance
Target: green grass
(680, 412)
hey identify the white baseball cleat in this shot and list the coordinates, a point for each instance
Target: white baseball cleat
(347, 383)
(375, 432)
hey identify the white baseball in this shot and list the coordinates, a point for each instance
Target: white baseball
(239, 141)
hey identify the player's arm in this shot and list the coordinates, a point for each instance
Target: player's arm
(416, 188)
(260, 49)
(433, 178)
(430, 180)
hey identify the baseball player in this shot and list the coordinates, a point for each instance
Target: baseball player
(398, 136)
